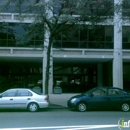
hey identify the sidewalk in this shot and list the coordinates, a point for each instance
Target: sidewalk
(59, 100)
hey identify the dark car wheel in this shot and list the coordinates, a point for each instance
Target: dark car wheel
(82, 106)
(125, 107)
(33, 107)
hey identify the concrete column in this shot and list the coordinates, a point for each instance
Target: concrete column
(117, 61)
(99, 75)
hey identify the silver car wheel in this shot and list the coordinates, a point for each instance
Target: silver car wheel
(33, 107)
(82, 107)
(125, 107)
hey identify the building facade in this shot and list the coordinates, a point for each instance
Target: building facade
(82, 60)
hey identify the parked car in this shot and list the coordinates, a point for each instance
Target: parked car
(22, 98)
(103, 98)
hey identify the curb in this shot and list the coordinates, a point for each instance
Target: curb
(54, 106)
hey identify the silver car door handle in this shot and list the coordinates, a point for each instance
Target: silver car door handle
(11, 99)
(28, 98)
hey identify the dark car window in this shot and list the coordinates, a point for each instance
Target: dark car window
(99, 92)
(115, 92)
(9, 93)
(24, 93)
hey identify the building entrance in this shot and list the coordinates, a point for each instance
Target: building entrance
(126, 76)
(75, 78)
(16, 74)
(78, 78)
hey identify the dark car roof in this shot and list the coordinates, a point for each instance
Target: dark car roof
(105, 88)
(110, 87)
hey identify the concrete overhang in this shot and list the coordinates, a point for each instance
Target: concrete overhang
(21, 59)
(79, 60)
(55, 60)
(25, 55)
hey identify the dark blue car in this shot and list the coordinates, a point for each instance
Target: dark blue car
(101, 98)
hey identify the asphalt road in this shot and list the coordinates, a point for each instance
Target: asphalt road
(62, 119)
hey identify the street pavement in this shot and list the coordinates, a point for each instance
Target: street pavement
(62, 119)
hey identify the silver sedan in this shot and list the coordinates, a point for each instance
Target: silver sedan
(22, 98)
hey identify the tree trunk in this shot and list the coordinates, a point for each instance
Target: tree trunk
(47, 74)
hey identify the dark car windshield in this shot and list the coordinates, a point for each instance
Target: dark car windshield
(89, 91)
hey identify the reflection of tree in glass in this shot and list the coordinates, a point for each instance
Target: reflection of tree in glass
(7, 37)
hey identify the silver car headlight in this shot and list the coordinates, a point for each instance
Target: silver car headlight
(73, 100)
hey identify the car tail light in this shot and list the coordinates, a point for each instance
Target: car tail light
(47, 98)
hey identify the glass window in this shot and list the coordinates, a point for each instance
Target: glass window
(126, 7)
(14, 6)
(126, 37)
(99, 92)
(9, 93)
(20, 34)
(24, 93)
(115, 92)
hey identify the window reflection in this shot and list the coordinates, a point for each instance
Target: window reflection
(126, 37)
(26, 35)
(9, 93)
(19, 35)
(99, 37)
